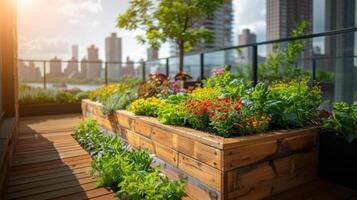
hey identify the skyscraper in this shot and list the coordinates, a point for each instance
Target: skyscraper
(220, 25)
(94, 64)
(246, 37)
(113, 53)
(284, 15)
(75, 52)
(152, 54)
(341, 14)
(55, 68)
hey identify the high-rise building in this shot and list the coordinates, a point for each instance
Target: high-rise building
(283, 16)
(129, 70)
(113, 53)
(152, 54)
(75, 52)
(29, 73)
(84, 65)
(72, 68)
(220, 25)
(341, 14)
(246, 37)
(94, 68)
(55, 70)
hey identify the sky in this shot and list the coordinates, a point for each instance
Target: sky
(49, 28)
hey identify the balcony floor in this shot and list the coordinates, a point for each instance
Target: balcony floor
(50, 164)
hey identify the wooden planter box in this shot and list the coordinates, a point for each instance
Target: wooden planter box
(251, 167)
(49, 109)
(338, 160)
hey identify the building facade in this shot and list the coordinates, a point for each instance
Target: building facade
(113, 53)
(283, 16)
(94, 67)
(246, 54)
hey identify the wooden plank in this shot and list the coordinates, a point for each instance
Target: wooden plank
(167, 154)
(205, 173)
(142, 128)
(146, 143)
(132, 138)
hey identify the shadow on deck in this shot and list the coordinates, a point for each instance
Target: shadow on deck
(50, 164)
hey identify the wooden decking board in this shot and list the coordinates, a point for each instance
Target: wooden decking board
(50, 164)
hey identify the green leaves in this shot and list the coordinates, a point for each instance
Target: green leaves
(172, 114)
(126, 171)
(343, 121)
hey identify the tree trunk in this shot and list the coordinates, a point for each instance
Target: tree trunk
(181, 55)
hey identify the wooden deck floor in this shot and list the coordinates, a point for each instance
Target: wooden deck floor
(50, 164)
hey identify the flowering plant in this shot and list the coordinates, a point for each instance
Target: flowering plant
(197, 112)
(183, 76)
(205, 93)
(232, 116)
(147, 107)
(157, 85)
(102, 94)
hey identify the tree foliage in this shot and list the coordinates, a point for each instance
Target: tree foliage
(169, 21)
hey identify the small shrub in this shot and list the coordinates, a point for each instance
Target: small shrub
(172, 114)
(343, 121)
(205, 93)
(119, 100)
(146, 107)
(197, 112)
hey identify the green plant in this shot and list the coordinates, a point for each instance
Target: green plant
(172, 114)
(293, 104)
(197, 112)
(146, 107)
(343, 121)
(177, 98)
(158, 85)
(280, 65)
(119, 100)
(202, 94)
(127, 172)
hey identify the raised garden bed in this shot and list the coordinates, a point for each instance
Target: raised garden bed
(338, 160)
(251, 167)
(49, 109)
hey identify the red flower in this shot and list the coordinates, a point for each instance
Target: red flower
(220, 117)
(226, 110)
(236, 126)
(211, 114)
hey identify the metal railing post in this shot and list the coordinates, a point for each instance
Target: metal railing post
(106, 72)
(255, 64)
(314, 69)
(167, 67)
(144, 71)
(202, 66)
(44, 75)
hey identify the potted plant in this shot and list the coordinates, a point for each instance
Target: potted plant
(181, 78)
(338, 145)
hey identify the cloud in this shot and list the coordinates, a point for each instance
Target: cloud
(250, 14)
(78, 8)
(43, 47)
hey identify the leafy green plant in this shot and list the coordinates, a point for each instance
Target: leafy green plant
(280, 65)
(343, 121)
(146, 107)
(126, 171)
(119, 100)
(31, 95)
(293, 104)
(172, 114)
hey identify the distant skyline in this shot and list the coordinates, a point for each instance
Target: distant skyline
(50, 28)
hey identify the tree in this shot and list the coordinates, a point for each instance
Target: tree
(170, 20)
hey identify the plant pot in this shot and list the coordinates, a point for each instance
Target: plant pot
(338, 160)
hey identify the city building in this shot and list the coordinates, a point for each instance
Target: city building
(113, 53)
(83, 67)
(94, 65)
(338, 15)
(220, 25)
(29, 73)
(152, 54)
(128, 70)
(72, 68)
(75, 52)
(246, 37)
(283, 16)
(55, 70)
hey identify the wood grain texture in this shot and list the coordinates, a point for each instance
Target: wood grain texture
(50, 164)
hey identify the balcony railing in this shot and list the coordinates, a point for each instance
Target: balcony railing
(329, 57)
